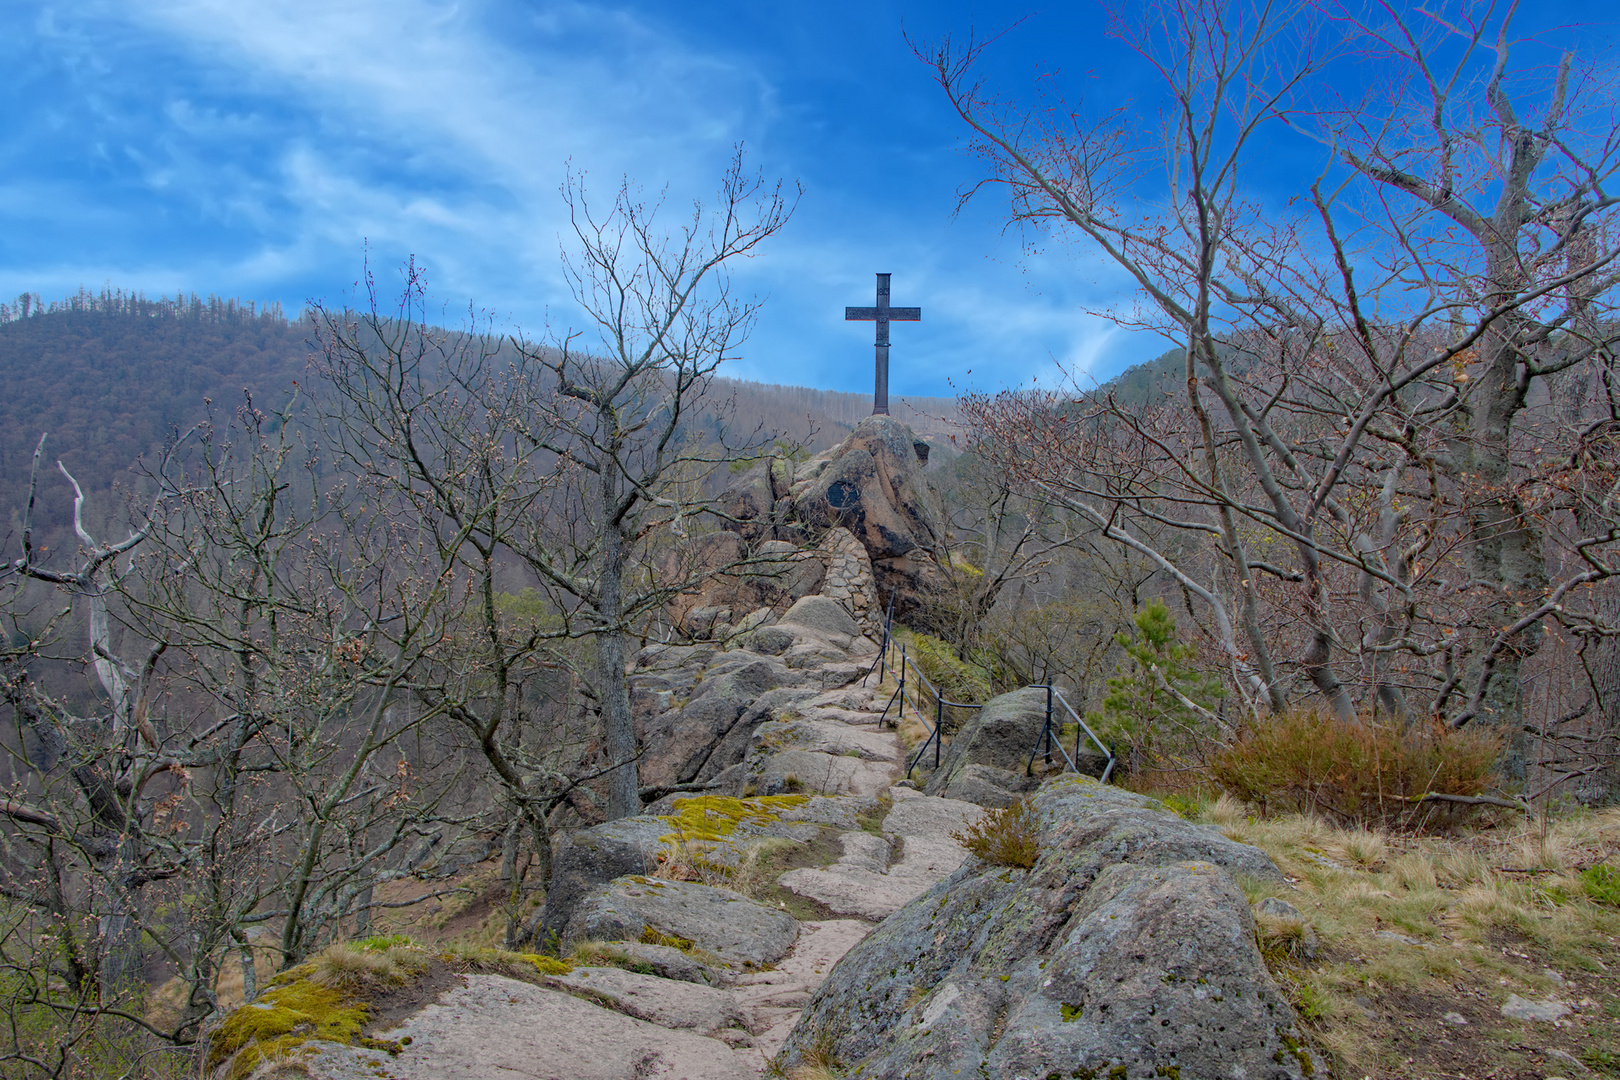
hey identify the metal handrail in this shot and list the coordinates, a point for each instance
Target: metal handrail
(1049, 740)
(936, 729)
(935, 736)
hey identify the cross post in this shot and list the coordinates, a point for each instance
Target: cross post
(882, 314)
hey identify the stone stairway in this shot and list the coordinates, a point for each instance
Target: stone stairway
(613, 1024)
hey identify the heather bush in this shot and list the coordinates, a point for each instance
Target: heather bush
(1357, 771)
(1004, 837)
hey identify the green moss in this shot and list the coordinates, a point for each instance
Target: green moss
(547, 965)
(288, 1015)
(714, 817)
(1071, 1013)
(651, 935)
(1299, 1053)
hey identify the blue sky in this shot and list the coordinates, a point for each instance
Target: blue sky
(258, 149)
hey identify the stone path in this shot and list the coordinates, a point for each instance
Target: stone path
(869, 880)
(607, 1023)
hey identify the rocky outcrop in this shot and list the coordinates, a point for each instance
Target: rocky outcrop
(985, 762)
(880, 873)
(586, 858)
(872, 485)
(496, 1026)
(718, 921)
(697, 707)
(1126, 951)
(726, 581)
(680, 741)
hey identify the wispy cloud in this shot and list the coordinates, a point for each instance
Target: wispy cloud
(265, 148)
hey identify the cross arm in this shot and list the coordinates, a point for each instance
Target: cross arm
(894, 314)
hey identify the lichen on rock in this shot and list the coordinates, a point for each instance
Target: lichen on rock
(1126, 950)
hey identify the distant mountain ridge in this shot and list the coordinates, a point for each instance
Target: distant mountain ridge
(111, 375)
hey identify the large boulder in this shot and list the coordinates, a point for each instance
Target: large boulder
(1126, 951)
(586, 858)
(985, 762)
(871, 484)
(824, 615)
(747, 503)
(679, 743)
(720, 578)
(718, 921)
(733, 748)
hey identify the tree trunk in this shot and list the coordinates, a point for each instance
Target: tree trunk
(1505, 554)
(618, 728)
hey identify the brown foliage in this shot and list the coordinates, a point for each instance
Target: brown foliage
(1358, 770)
(1004, 837)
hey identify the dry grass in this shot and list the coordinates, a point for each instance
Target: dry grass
(1412, 927)
(694, 860)
(355, 967)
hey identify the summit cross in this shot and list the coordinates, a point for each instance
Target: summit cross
(883, 314)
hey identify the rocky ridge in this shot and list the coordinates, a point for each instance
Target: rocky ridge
(1126, 950)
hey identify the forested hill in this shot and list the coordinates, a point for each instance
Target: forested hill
(110, 376)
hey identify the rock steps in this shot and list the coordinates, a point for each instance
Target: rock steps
(600, 1022)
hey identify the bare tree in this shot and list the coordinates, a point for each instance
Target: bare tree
(249, 771)
(620, 405)
(557, 465)
(1359, 377)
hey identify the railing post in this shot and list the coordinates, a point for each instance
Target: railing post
(1046, 732)
(902, 713)
(939, 726)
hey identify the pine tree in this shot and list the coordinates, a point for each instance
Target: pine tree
(1140, 712)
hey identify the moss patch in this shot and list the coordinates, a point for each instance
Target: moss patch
(284, 1018)
(651, 935)
(712, 818)
(548, 965)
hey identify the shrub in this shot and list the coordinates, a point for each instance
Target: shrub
(1148, 721)
(1004, 837)
(957, 679)
(1357, 771)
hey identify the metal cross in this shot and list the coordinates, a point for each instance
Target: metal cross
(883, 314)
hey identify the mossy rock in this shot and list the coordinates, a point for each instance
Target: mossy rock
(281, 1020)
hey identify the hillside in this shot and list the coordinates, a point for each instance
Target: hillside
(110, 376)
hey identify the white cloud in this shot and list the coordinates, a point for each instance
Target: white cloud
(440, 132)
